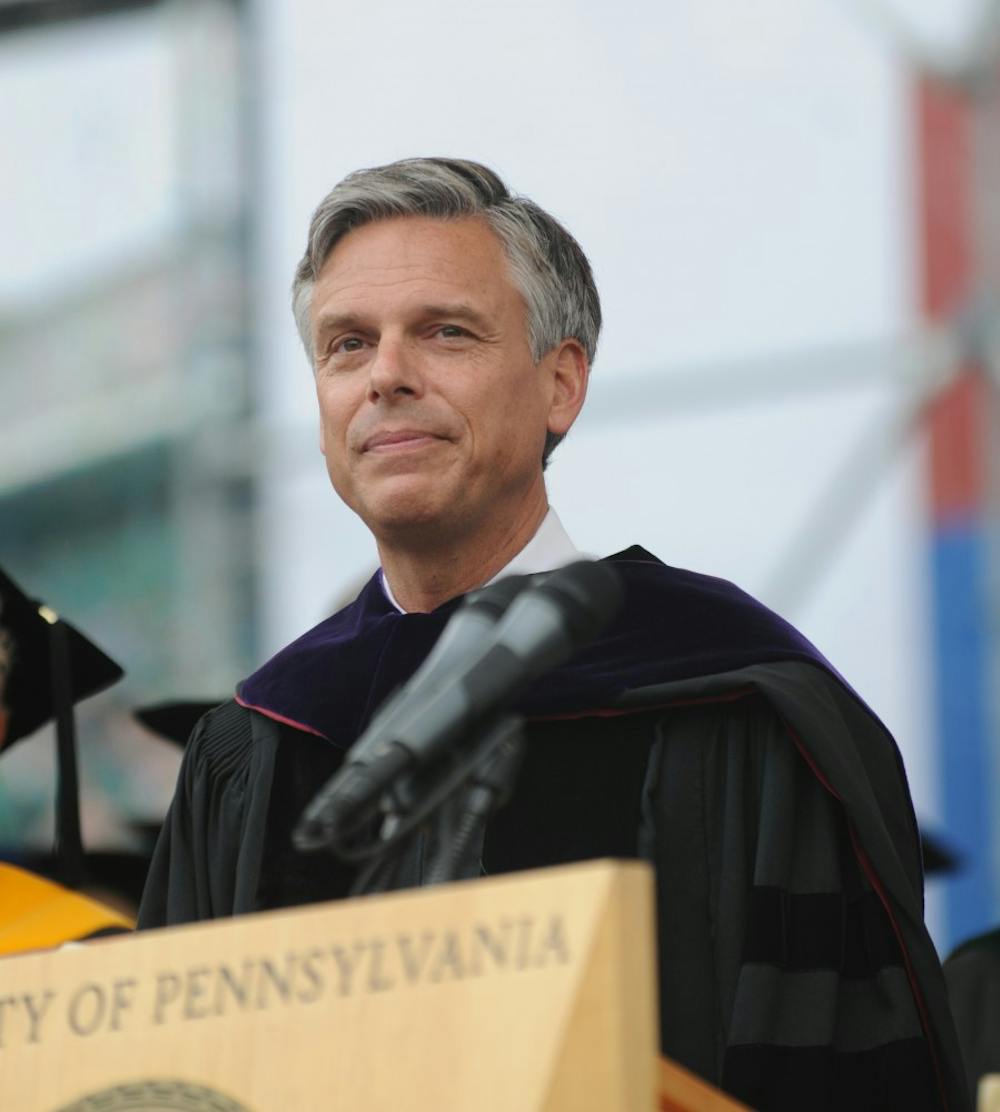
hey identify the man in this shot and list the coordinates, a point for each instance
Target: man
(451, 327)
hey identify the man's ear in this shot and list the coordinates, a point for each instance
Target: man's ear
(570, 371)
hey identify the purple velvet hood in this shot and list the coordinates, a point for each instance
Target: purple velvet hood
(674, 625)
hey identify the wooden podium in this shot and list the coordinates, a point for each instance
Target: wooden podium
(533, 991)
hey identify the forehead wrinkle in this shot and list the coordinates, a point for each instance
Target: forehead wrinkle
(327, 316)
(376, 279)
(395, 248)
(451, 301)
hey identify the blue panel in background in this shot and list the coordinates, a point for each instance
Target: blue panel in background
(961, 645)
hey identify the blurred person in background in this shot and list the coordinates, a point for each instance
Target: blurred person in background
(451, 327)
(46, 666)
(972, 972)
(6, 661)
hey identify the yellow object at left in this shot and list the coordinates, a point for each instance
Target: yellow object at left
(36, 914)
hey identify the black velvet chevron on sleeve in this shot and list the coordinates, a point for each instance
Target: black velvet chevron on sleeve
(782, 979)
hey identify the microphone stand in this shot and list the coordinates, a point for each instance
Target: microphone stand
(435, 820)
(465, 815)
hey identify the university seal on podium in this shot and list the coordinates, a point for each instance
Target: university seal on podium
(159, 1095)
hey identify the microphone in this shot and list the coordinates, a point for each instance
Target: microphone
(463, 638)
(544, 624)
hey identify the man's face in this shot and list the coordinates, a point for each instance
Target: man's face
(433, 411)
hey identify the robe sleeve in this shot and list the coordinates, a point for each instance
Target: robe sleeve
(207, 860)
(782, 978)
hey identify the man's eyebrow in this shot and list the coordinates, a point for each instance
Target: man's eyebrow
(327, 322)
(330, 322)
(455, 310)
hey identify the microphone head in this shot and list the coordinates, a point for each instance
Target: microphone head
(589, 594)
(494, 599)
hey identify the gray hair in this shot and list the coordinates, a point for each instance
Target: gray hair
(547, 264)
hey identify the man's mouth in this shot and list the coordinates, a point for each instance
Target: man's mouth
(399, 440)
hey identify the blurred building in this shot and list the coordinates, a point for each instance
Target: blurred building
(123, 361)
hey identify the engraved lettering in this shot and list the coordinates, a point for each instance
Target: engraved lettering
(168, 988)
(86, 1009)
(414, 958)
(523, 943)
(553, 943)
(195, 991)
(347, 964)
(238, 989)
(122, 998)
(313, 975)
(373, 965)
(281, 981)
(487, 942)
(36, 1009)
(448, 959)
(377, 981)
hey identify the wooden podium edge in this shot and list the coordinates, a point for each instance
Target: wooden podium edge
(614, 1009)
(988, 1095)
(679, 1090)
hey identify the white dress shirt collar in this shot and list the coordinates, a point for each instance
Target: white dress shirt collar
(548, 549)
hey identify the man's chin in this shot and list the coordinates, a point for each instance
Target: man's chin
(409, 519)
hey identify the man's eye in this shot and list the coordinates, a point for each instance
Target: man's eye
(451, 331)
(347, 345)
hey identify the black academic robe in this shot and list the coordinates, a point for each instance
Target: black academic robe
(795, 969)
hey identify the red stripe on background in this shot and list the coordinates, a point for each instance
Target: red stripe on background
(957, 464)
(945, 164)
(957, 450)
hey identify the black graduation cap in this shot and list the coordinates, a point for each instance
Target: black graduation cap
(174, 720)
(53, 665)
(47, 666)
(938, 856)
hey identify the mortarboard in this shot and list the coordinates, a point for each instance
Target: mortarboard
(41, 672)
(938, 856)
(174, 721)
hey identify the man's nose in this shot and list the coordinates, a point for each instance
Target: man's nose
(393, 371)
